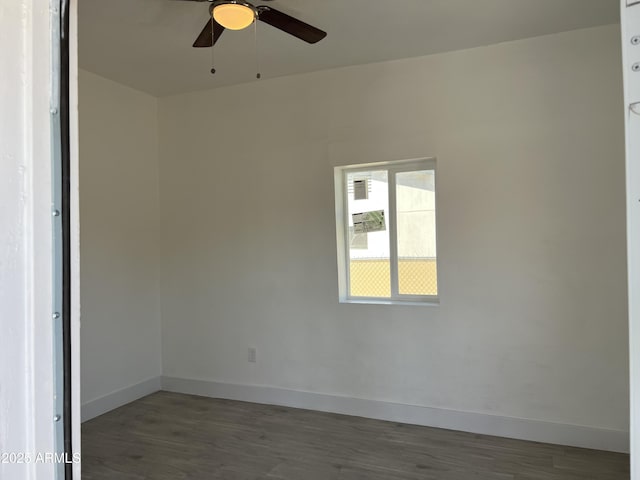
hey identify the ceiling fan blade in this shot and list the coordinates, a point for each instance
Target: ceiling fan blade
(204, 39)
(291, 25)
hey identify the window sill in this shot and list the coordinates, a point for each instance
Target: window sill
(378, 301)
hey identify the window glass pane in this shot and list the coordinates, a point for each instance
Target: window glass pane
(368, 214)
(416, 218)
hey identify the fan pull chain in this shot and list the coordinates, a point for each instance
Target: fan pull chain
(255, 37)
(213, 42)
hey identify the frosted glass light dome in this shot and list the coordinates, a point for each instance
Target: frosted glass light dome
(234, 15)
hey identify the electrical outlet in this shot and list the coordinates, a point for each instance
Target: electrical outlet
(252, 355)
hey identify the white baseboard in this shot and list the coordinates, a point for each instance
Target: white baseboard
(520, 428)
(94, 408)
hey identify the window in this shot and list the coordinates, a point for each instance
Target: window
(386, 232)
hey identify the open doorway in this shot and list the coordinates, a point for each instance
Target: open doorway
(39, 361)
(210, 264)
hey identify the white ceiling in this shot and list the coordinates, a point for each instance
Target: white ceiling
(146, 44)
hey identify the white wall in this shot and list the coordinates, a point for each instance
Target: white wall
(119, 230)
(529, 140)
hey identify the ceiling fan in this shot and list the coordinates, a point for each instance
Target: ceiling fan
(239, 14)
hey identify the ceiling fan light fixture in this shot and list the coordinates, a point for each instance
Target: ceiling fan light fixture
(234, 15)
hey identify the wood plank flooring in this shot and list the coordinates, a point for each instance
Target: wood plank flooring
(169, 436)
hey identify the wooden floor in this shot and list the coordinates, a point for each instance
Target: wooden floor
(174, 436)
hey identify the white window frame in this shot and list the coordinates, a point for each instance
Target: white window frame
(342, 230)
